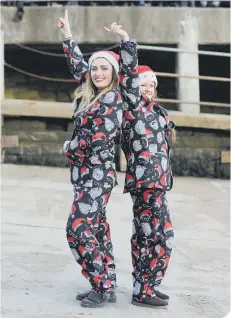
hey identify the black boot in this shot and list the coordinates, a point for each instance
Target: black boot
(112, 296)
(161, 295)
(153, 302)
(95, 299)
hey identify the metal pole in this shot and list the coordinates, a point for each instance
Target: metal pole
(2, 85)
(1, 65)
(188, 64)
(154, 48)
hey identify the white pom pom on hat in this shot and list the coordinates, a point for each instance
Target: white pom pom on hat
(110, 56)
(146, 74)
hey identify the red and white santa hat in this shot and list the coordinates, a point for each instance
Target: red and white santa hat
(145, 155)
(110, 56)
(146, 74)
(167, 227)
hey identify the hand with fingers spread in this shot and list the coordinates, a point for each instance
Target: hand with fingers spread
(63, 24)
(116, 28)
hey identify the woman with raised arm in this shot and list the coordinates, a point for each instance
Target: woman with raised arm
(146, 130)
(97, 119)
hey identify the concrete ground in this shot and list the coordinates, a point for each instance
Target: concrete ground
(40, 277)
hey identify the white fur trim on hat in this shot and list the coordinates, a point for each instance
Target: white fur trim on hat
(106, 56)
(148, 76)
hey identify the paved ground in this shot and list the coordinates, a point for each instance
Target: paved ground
(40, 277)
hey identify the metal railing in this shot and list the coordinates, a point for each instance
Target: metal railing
(160, 74)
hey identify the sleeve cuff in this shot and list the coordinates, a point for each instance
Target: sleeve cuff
(66, 40)
(130, 42)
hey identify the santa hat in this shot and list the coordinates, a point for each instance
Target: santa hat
(111, 175)
(84, 170)
(129, 179)
(146, 212)
(145, 155)
(146, 74)
(167, 227)
(110, 56)
(148, 133)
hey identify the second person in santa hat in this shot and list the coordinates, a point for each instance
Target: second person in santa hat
(146, 129)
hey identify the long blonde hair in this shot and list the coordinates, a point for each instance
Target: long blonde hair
(87, 92)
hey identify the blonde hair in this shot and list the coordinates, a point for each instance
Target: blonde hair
(87, 93)
(173, 135)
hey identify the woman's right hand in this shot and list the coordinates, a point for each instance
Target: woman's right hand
(63, 24)
(117, 29)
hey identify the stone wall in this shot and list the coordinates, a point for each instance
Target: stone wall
(197, 152)
(159, 25)
(39, 142)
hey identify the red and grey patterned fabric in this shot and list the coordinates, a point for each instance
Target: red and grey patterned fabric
(89, 237)
(92, 149)
(152, 240)
(146, 129)
(92, 165)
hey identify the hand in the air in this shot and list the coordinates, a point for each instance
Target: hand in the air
(117, 29)
(63, 24)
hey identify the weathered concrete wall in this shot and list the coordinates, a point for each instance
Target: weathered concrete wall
(147, 24)
(19, 86)
(33, 108)
(38, 142)
(197, 151)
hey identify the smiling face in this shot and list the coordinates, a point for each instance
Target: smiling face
(147, 89)
(101, 73)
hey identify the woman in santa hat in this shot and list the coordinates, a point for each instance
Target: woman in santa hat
(98, 111)
(146, 129)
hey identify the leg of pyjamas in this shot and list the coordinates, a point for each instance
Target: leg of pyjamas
(103, 236)
(88, 236)
(151, 241)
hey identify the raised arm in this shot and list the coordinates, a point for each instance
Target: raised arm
(129, 78)
(78, 67)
